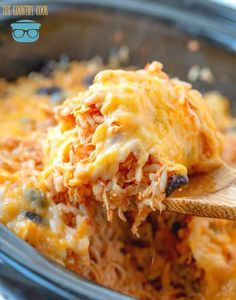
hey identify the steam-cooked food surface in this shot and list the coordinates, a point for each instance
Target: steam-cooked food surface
(54, 167)
(130, 140)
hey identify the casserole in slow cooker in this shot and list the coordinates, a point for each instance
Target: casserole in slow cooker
(52, 152)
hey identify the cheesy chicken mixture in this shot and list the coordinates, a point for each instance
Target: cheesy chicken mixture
(129, 141)
(82, 179)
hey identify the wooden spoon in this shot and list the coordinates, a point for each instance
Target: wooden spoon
(212, 195)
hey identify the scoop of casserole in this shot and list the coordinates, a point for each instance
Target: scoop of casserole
(129, 141)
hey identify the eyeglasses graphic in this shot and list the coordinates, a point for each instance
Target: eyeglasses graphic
(19, 33)
(25, 31)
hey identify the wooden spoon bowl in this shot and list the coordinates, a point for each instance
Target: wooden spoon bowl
(211, 194)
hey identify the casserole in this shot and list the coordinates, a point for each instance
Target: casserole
(155, 32)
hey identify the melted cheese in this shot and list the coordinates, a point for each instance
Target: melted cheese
(145, 113)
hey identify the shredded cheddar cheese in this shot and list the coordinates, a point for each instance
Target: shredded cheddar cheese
(143, 114)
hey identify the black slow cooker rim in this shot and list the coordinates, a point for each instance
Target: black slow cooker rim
(204, 19)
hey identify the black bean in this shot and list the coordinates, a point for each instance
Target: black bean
(64, 63)
(88, 80)
(175, 182)
(48, 68)
(175, 227)
(58, 98)
(140, 243)
(48, 90)
(33, 217)
(35, 195)
(57, 95)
